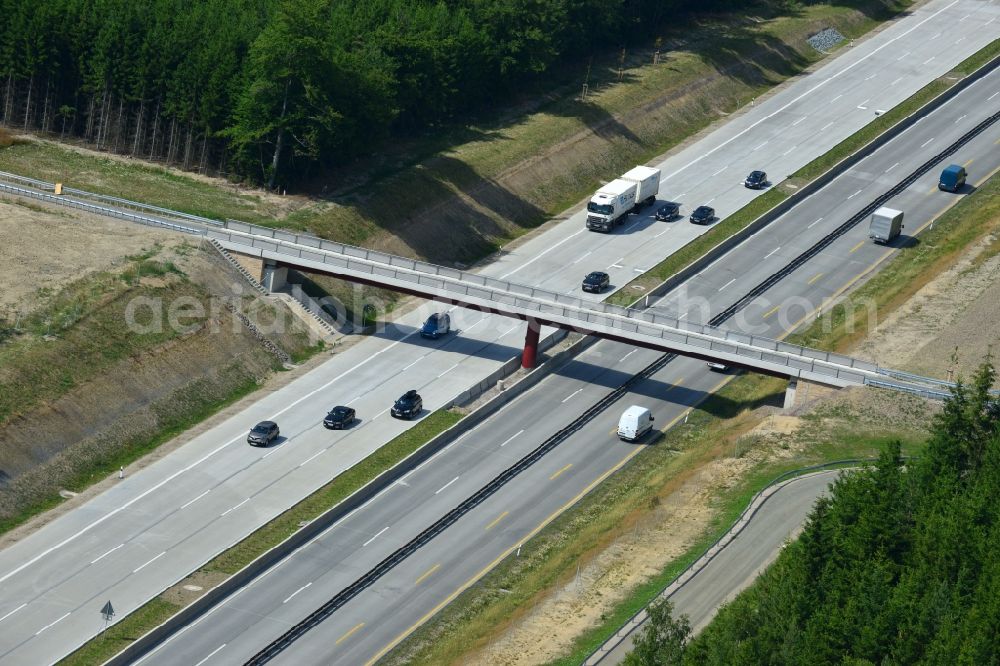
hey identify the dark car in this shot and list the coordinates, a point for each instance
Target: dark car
(437, 324)
(339, 418)
(596, 282)
(756, 180)
(263, 433)
(703, 215)
(408, 405)
(668, 211)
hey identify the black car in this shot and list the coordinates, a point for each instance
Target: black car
(408, 405)
(263, 433)
(703, 215)
(596, 282)
(668, 211)
(756, 180)
(437, 324)
(339, 418)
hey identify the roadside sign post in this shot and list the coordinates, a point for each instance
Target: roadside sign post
(108, 612)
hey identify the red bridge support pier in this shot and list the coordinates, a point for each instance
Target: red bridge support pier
(530, 345)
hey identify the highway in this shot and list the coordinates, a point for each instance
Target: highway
(384, 613)
(158, 525)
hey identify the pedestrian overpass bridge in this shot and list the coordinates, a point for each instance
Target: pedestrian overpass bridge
(536, 306)
(542, 307)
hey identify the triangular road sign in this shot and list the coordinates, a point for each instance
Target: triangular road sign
(108, 611)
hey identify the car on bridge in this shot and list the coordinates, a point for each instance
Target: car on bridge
(263, 433)
(409, 405)
(596, 282)
(339, 418)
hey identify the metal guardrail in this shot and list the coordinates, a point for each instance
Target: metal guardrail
(639, 617)
(285, 239)
(769, 354)
(127, 203)
(99, 210)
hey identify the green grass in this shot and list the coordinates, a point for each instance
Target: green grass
(122, 633)
(343, 485)
(979, 58)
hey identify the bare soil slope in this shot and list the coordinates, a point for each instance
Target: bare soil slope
(82, 391)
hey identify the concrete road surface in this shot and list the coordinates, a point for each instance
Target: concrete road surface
(155, 527)
(383, 614)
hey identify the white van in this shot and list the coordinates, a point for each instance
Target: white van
(634, 423)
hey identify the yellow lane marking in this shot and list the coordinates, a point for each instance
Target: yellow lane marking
(427, 573)
(538, 528)
(857, 247)
(677, 383)
(969, 162)
(552, 478)
(771, 311)
(348, 634)
(497, 520)
(634, 452)
(814, 278)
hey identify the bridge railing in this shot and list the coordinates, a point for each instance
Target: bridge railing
(509, 287)
(576, 313)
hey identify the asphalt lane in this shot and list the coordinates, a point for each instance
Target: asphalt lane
(386, 611)
(155, 527)
(735, 567)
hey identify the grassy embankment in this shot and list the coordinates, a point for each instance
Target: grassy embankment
(611, 511)
(156, 611)
(73, 340)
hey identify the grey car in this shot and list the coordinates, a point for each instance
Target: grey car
(263, 433)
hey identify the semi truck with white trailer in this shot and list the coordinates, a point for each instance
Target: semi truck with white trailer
(613, 202)
(885, 224)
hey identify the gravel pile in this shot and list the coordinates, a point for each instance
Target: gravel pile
(826, 39)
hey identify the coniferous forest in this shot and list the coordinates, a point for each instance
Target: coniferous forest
(901, 565)
(270, 88)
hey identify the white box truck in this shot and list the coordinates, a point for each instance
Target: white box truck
(885, 224)
(613, 202)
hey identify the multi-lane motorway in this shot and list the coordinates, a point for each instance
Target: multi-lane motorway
(158, 525)
(376, 619)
